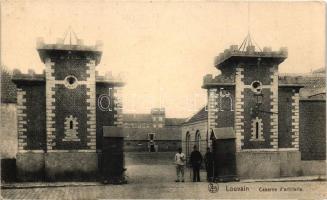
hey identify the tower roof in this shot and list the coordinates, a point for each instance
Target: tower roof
(69, 42)
(250, 52)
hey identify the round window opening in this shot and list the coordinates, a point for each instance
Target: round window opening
(71, 82)
(256, 87)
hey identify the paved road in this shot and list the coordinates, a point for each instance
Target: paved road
(157, 181)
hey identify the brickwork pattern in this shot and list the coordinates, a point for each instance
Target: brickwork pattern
(212, 109)
(50, 100)
(239, 108)
(313, 130)
(274, 107)
(91, 107)
(285, 118)
(295, 120)
(21, 119)
(118, 107)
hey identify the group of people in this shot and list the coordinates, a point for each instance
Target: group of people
(195, 161)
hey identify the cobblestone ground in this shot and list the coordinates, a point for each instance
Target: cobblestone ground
(157, 181)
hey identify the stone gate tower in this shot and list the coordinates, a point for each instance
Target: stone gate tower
(260, 107)
(62, 112)
(70, 95)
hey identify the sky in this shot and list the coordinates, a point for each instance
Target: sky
(163, 49)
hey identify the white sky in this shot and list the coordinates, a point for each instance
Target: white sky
(164, 49)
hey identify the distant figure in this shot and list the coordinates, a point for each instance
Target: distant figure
(196, 160)
(179, 161)
(208, 160)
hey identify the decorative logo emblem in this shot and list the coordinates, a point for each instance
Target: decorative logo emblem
(213, 187)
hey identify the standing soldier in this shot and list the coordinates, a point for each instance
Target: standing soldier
(179, 161)
(196, 160)
(208, 160)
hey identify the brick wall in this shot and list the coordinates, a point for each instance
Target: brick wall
(70, 102)
(225, 107)
(76, 101)
(253, 72)
(75, 67)
(31, 117)
(104, 110)
(285, 117)
(313, 130)
(35, 115)
(250, 101)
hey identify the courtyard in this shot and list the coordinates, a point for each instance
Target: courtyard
(149, 180)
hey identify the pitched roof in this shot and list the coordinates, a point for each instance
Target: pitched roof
(202, 114)
(174, 121)
(314, 83)
(160, 133)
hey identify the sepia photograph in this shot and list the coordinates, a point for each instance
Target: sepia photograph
(163, 99)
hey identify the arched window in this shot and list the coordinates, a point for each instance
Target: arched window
(187, 145)
(198, 139)
(257, 130)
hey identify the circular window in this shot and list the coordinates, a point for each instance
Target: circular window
(256, 87)
(71, 82)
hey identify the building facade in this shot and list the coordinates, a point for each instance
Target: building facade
(195, 132)
(262, 109)
(152, 132)
(155, 119)
(152, 139)
(62, 112)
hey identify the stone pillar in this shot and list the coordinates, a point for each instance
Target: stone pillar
(118, 107)
(239, 108)
(295, 120)
(274, 107)
(91, 107)
(50, 100)
(21, 119)
(212, 110)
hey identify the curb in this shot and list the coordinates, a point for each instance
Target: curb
(79, 184)
(289, 179)
(46, 185)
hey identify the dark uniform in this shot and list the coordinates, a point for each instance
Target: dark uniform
(196, 160)
(208, 160)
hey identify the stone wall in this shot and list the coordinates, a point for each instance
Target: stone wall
(8, 142)
(268, 164)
